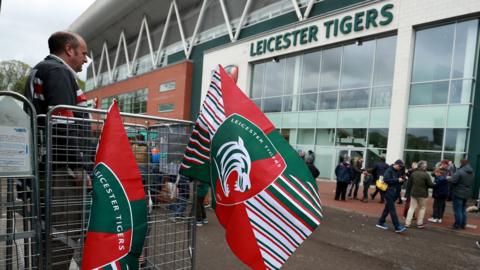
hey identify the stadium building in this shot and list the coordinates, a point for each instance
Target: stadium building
(365, 78)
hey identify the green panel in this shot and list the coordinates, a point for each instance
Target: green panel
(353, 118)
(327, 119)
(290, 120)
(379, 118)
(276, 119)
(458, 116)
(306, 119)
(426, 117)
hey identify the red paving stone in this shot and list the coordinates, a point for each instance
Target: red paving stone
(374, 208)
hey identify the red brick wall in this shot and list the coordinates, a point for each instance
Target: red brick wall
(181, 73)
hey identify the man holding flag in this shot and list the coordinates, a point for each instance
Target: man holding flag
(263, 194)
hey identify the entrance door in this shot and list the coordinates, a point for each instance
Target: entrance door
(352, 153)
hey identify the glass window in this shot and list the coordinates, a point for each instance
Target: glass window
(357, 65)
(378, 137)
(465, 41)
(379, 118)
(167, 86)
(353, 99)
(455, 139)
(458, 116)
(275, 73)
(272, 105)
(306, 119)
(356, 137)
(455, 157)
(287, 104)
(323, 161)
(305, 136)
(166, 107)
(433, 53)
(384, 61)
(258, 102)
(460, 91)
(424, 138)
(257, 80)
(430, 157)
(292, 77)
(310, 71)
(330, 71)
(325, 136)
(426, 116)
(429, 93)
(308, 102)
(327, 100)
(381, 96)
(353, 118)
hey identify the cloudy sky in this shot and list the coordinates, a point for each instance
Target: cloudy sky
(25, 26)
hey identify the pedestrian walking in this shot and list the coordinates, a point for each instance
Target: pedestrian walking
(367, 181)
(419, 183)
(440, 193)
(393, 179)
(313, 169)
(357, 175)
(344, 174)
(377, 172)
(462, 183)
(201, 215)
(408, 189)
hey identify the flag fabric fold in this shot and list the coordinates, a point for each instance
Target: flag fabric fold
(118, 218)
(263, 193)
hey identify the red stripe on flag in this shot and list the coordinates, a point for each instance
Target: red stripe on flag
(214, 114)
(304, 197)
(273, 196)
(284, 221)
(297, 202)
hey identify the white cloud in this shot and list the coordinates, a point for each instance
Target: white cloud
(25, 26)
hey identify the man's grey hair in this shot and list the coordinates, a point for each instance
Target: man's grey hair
(422, 165)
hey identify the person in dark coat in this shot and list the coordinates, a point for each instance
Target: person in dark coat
(393, 179)
(440, 193)
(462, 183)
(367, 181)
(357, 175)
(344, 174)
(378, 171)
(418, 185)
(315, 172)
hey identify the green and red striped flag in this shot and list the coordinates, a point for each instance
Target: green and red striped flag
(118, 217)
(263, 193)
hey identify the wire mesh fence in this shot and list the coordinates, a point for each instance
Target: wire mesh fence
(65, 186)
(19, 227)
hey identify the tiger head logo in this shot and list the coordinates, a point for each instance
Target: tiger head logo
(233, 157)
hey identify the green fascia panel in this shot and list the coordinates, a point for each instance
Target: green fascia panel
(427, 116)
(289, 18)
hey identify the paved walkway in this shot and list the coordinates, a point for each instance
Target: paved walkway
(374, 208)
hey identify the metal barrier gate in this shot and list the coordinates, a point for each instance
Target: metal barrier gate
(19, 212)
(158, 145)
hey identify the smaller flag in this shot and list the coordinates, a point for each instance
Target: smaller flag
(118, 217)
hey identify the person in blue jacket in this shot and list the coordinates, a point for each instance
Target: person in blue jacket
(393, 178)
(440, 194)
(344, 174)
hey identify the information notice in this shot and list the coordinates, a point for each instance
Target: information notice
(14, 149)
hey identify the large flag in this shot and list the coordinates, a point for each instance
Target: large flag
(263, 193)
(118, 217)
